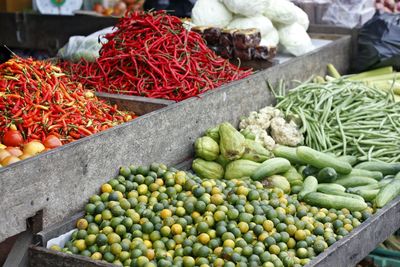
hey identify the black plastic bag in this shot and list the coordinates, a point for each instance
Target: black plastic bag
(379, 43)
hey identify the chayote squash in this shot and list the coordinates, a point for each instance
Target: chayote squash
(293, 177)
(248, 134)
(213, 133)
(207, 169)
(240, 168)
(278, 181)
(206, 148)
(256, 152)
(232, 142)
(222, 160)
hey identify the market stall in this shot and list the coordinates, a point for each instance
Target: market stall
(301, 173)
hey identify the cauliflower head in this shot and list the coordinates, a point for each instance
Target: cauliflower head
(285, 133)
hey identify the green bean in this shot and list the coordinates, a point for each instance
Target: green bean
(346, 118)
(342, 132)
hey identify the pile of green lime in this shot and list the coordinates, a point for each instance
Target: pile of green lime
(159, 216)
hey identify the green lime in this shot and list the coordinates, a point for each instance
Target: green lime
(125, 171)
(108, 256)
(116, 249)
(81, 234)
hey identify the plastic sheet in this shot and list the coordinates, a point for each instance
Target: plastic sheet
(349, 13)
(379, 43)
(86, 47)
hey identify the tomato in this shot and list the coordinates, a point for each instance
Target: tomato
(33, 148)
(24, 156)
(4, 154)
(13, 138)
(15, 151)
(52, 141)
(9, 160)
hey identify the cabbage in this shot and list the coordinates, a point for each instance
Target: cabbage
(246, 8)
(210, 13)
(295, 39)
(271, 39)
(281, 11)
(302, 17)
(263, 24)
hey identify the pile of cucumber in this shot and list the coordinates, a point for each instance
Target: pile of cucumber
(336, 182)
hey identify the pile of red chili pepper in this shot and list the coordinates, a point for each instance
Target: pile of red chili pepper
(151, 54)
(40, 100)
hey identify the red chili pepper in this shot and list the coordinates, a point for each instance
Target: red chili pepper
(151, 54)
(39, 99)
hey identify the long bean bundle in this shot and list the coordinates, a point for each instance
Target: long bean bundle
(346, 118)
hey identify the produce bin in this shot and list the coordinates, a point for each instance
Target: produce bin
(137, 104)
(58, 181)
(346, 252)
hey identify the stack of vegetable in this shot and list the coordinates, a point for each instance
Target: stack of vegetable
(14, 149)
(40, 103)
(153, 55)
(159, 216)
(226, 153)
(346, 117)
(278, 21)
(270, 126)
(338, 183)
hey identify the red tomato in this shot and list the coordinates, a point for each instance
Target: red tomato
(13, 138)
(52, 141)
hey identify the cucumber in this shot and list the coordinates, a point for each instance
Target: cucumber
(334, 202)
(352, 160)
(323, 188)
(378, 185)
(387, 193)
(310, 184)
(353, 181)
(271, 167)
(363, 173)
(383, 167)
(327, 175)
(288, 153)
(367, 194)
(292, 175)
(339, 193)
(310, 171)
(322, 160)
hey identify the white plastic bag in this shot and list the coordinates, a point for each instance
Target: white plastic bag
(295, 39)
(282, 11)
(84, 47)
(245, 7)
(349, 13)
(262, 23)
(271, 39)
(301, 17)
(210, 13)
